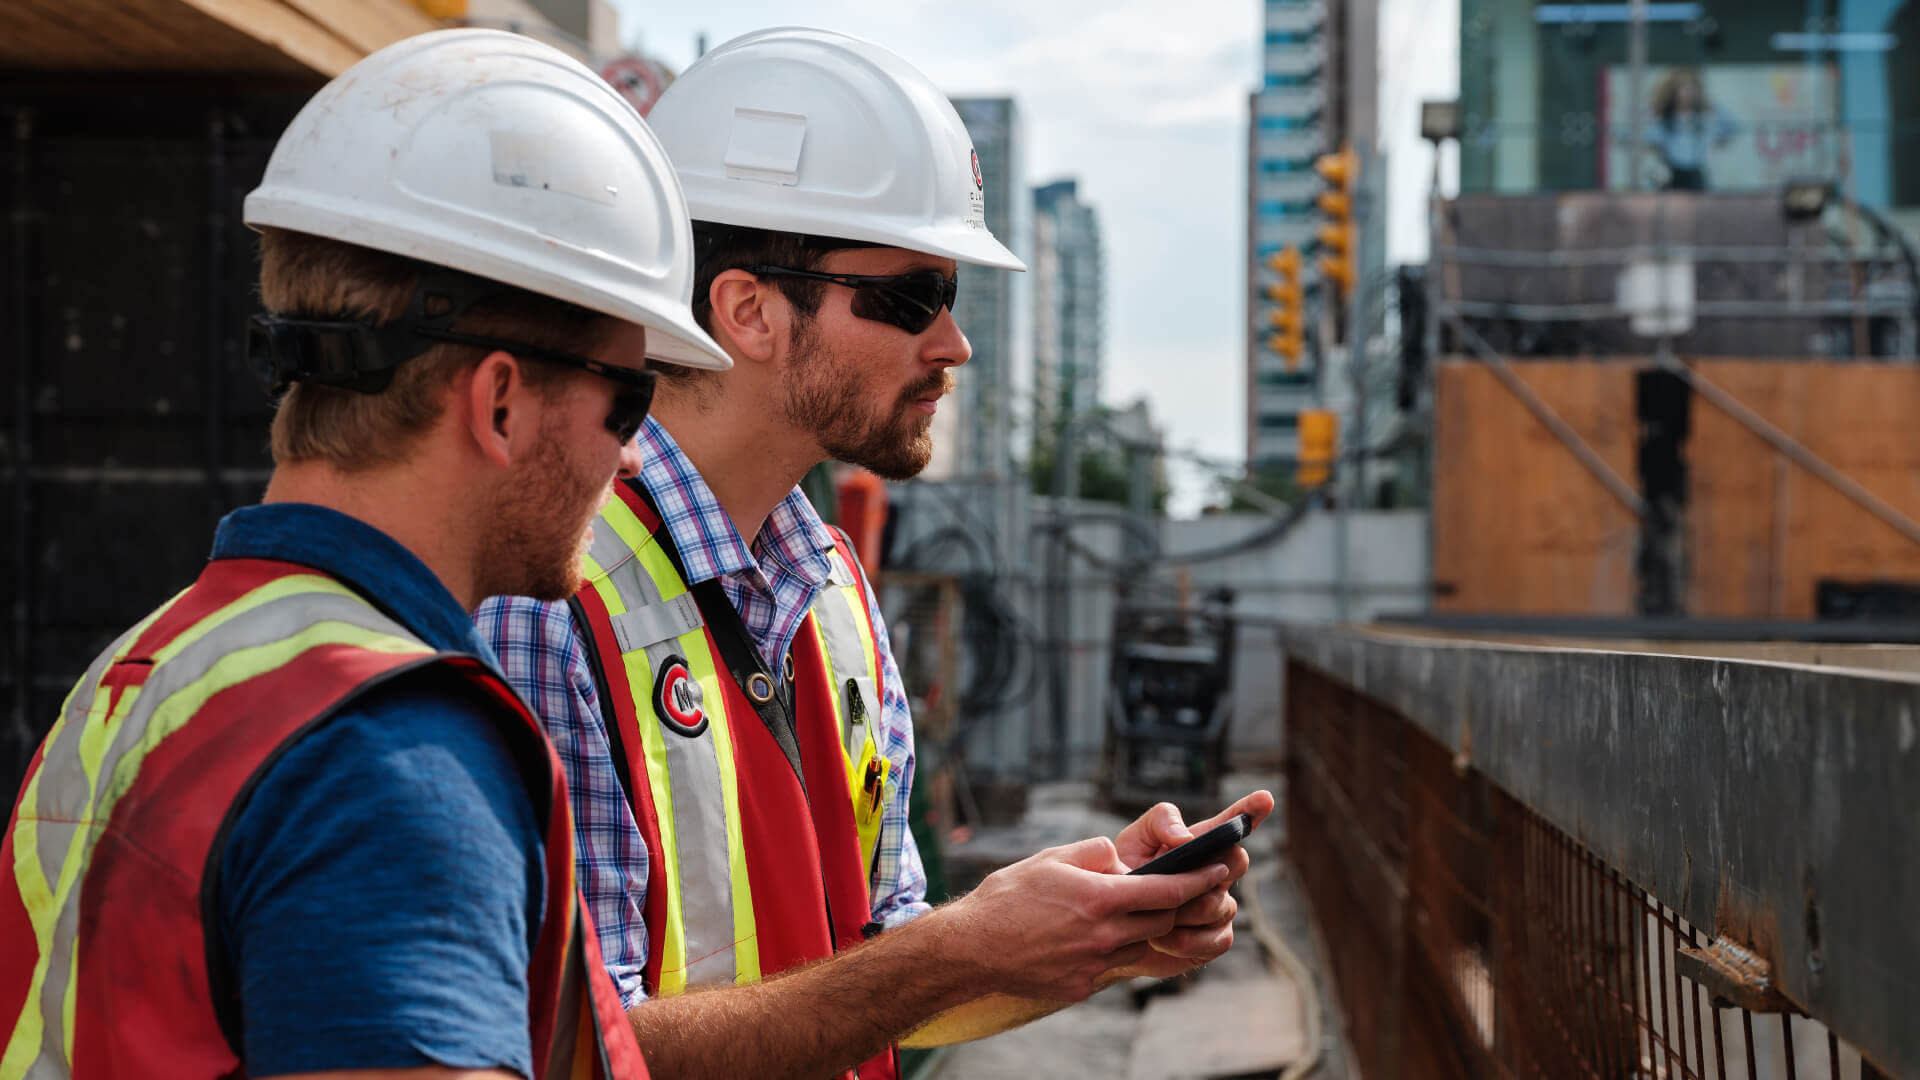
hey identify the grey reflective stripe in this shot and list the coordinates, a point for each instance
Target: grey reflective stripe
(848, 659)
(638, 628)
(700, 835)
(838, 571)
(64, 792)
(697, 793)
(63, 749)
(606, 549)
(273, 621)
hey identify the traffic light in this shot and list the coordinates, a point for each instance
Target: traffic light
(1289, 317)
(1319, 438)
(1338, 237)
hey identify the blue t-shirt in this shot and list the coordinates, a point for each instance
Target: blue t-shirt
(381, 891)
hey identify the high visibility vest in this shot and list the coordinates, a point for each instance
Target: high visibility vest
(107, 965)
(758, 865)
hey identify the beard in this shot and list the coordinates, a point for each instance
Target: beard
(538, 526)
(834, 403)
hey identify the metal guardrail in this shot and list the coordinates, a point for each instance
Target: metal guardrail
(1532, 861)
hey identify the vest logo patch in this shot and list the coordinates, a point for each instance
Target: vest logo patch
(676, 698)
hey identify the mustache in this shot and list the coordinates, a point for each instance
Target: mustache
(941, 381)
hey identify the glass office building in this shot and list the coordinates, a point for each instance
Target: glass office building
(1733, 95)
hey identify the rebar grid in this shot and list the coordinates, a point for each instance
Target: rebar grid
(1469, 937)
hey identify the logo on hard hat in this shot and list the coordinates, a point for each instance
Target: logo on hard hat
(977, 181)
(676, 697)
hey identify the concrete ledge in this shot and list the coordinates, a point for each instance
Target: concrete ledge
(1773, 803)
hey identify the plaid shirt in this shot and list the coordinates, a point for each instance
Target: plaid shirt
(772, 585)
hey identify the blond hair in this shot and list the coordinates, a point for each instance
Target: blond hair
(313, 277)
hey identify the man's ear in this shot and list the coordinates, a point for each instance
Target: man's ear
(493, 404)
(747, 313)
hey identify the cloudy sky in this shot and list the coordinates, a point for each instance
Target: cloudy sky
(1145, 102)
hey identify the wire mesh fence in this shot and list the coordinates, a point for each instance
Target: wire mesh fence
(1469, 937)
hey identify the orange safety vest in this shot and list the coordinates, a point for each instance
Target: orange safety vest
(760, 803)
(114, 847)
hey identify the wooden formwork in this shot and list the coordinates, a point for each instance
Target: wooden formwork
(1762, 531)
(227, 37)
(1520, 526)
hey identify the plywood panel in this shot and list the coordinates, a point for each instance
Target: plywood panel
(261, 37)
(1520, 526)
(1762, 532)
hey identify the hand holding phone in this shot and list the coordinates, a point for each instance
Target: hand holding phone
(1201, 849)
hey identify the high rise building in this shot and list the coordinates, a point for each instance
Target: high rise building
(1069, 304)
(974, 429)
(1317, 93)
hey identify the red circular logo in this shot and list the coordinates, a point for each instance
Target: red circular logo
(977, 181)
(637, 79)
(676, 698)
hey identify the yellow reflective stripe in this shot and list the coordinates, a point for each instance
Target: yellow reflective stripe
(863, 622)
(630, 529)
(834, 696)
(45, 910)
(29, 1030)
(673, 937)
(746, 941)
(843, 619)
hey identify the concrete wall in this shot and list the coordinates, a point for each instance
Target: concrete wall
(1296, 581)
(1293, 579)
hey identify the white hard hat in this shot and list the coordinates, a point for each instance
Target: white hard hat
(814, 132)
(494, 154)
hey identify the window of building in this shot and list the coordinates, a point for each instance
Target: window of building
(1735, 96)
(1276, 81)
(1285, 123)
(1280, 423)
(1270, 208)
(1285, 378)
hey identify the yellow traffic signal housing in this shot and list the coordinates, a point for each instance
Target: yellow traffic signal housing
(1337, 256)
(1289, 344)
(1289, 317)
(1341, 171)
(1286, 263)
(1319, 438)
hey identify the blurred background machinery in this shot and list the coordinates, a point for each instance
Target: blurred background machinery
(1170, 708)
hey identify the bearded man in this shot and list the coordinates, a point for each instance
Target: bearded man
(294, 822)
(721, 688)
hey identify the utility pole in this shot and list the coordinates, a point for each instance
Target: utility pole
(1351, 472)
(1357, 358)
(1636, 91)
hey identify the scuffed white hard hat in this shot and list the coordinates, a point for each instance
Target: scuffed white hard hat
(494, 154)
(815, 132)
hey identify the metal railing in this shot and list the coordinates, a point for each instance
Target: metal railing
(1562, 862)
(1554, 274)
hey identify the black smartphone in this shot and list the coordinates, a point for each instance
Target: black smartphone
(1200, 850)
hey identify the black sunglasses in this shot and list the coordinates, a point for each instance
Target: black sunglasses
(354, 356)
(633, 390)
(910, 301)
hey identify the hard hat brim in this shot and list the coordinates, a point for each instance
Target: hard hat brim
(979, 248)
(686, 345)
(679, 338)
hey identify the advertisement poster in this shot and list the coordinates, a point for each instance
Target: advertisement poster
(1722, 127)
